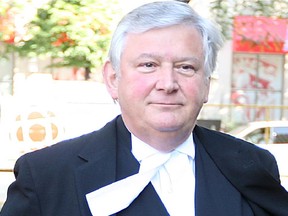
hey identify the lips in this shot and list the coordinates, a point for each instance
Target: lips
(166, 103)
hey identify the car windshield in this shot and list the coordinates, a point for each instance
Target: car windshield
(237, 130)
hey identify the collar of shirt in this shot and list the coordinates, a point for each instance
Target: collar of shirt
(142, 150)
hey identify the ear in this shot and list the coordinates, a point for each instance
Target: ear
(110, 80)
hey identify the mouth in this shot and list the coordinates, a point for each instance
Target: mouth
(166, 104)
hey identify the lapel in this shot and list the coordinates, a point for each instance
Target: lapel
(247, 168)
(214, 194)
(98, 167)
(108, 158)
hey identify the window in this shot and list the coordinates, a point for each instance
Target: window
(257, 136)
(279, 134)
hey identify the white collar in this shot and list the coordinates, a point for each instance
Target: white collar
(141, 150)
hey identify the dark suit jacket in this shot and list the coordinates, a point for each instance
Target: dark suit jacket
(54, 181)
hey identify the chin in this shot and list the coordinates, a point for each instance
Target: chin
(167, 126)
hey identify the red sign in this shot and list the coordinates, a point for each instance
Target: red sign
(260, 35)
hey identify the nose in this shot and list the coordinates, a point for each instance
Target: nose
(167, 80)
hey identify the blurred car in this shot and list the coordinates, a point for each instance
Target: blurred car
(272, 136)
(263, 132)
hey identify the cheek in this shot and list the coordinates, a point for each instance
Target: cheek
(135, 87)
(197, 92)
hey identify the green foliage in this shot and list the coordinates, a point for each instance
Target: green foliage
(224, 11)
(72, 32)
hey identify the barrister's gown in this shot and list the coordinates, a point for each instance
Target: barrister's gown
(233, 177)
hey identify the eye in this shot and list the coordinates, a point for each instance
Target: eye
(147, 67)
(186, 69)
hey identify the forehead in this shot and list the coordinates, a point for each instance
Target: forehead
(177, 28)
(168, 41)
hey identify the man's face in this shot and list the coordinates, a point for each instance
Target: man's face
(162, 84)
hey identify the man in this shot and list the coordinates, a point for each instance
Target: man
(153, 159)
